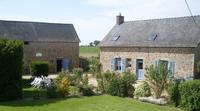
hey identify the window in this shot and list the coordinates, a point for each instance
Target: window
(118, 64)
(128, 65)
(164, 62)
(115, 38)
(26, 42)
(152, 37)
(170, 65)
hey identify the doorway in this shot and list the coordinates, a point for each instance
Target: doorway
(59, 65)
(139, 69)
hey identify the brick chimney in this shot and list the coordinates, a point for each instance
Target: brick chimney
(119, 19)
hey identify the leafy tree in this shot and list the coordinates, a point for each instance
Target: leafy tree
(157, 77)
(91, 44)
(96, 42)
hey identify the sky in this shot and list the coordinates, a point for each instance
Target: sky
(93, 19)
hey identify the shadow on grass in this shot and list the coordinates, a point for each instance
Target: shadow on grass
(28, 102)
(28, 97)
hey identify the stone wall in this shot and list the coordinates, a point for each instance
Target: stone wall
(51, 51)
(183, 58)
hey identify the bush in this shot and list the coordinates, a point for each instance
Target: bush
(39, 68)
(78, 71)
(62, 83)
(198, 70)
(103, 79)
(51, 92)
(94, 65)
(190, 95)
(85, 80)
(127, 81)
(157, 77)
(173, 91)
(143, 90)
(113, 87)
(121, 86)
(74, 91)
(11, 56)
(86, 90)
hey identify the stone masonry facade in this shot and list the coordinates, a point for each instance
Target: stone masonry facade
(184, 58)
(51, 51)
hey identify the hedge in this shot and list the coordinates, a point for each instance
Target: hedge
(39, 68)
(11, 60)
(190, 95)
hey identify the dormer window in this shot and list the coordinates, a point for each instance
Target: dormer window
(116, 37)
(152, 37)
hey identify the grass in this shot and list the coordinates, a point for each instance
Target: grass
(86, 51)
(94, 103)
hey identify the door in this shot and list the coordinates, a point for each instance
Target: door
(65, 64)
(139, 69)
(59, 65)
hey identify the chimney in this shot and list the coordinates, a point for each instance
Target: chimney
(120, 19)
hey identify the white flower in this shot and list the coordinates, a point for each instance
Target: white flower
(40, 82)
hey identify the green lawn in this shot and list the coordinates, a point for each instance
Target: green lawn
(86, 51)
(95, 103)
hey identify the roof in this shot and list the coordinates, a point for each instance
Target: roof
(38, 31)
(167, 32)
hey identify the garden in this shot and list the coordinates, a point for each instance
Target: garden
(71, 90)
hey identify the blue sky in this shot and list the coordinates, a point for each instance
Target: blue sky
(93, 18)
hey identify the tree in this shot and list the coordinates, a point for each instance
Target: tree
(96, 42)
(157, 77)
(91, 44)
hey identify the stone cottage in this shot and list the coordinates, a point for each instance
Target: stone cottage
(134, 45)
(53, 42)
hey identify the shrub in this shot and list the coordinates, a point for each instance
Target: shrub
(39, 68)
(78, 72)
(74, 91)
(85, 79)
(127, 81)
(94, 65)
(51, 92)
(173, 91)
(198, 70)
(113, 87)
(157, 77)
(103, 79)
(62, 83)
(190, 95)
(46, 83)
(11, 56)
(86, 90)
(143, 90)
(121, 86)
